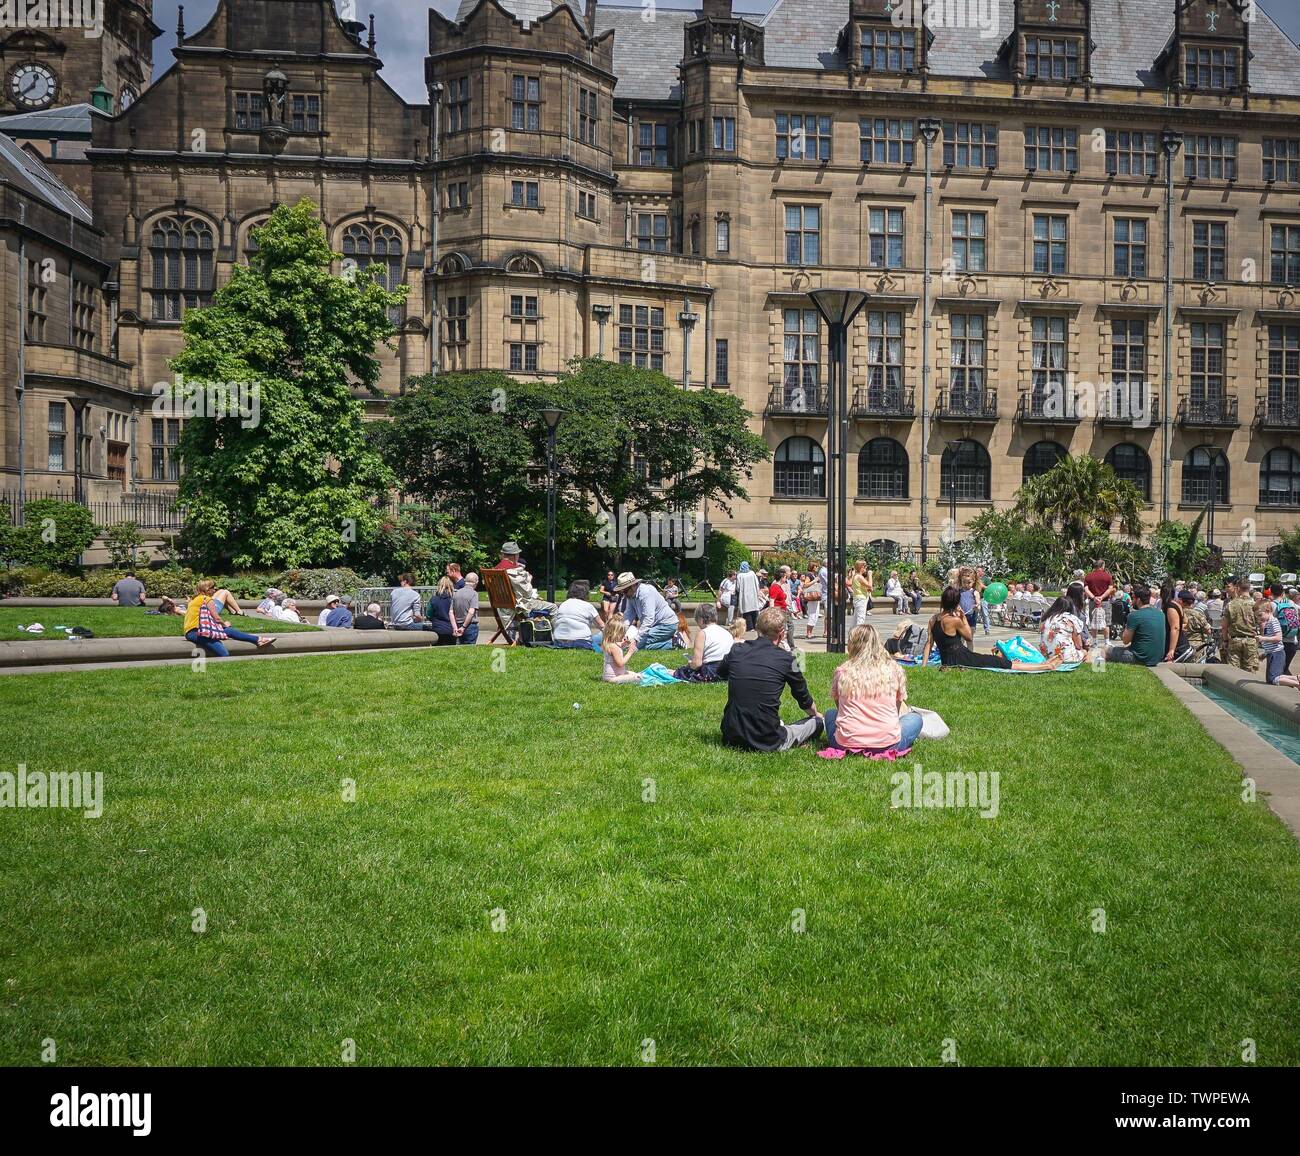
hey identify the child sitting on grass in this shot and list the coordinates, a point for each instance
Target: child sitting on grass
(617, 648)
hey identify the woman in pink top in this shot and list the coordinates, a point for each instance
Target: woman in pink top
(870, 693)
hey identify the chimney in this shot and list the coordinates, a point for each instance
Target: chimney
(717, 9)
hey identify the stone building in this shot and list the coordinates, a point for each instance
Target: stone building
(667, 187)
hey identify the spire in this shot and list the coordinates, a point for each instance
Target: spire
(180, 23)
(371, 42)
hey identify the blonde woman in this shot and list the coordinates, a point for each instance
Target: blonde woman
(870, 693)
(617, 648)
(205, 628)
(860, 583)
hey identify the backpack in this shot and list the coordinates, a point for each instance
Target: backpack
(1289, 617)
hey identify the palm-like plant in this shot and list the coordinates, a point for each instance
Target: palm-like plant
(1081, 496)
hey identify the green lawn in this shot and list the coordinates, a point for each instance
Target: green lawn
(481, 790)
(114, 622)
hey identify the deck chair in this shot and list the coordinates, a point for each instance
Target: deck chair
(501, 597)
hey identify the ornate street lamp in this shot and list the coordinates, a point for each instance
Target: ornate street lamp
(929, 128)
(1170, 142)
(838, 308)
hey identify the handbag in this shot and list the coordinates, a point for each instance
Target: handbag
(932, 726)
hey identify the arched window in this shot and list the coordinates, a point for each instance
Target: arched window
(1198, 467)
(181, 252)
(1279, 478)
(970, 469)
(800, 469)
(250, 240)
(1131, 464)
(882, 470)
(1041, 457)
(376, 244)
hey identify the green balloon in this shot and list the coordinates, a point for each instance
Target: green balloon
(995, 593)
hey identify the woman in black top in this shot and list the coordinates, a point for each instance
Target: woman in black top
(439, 613)
(950, 631)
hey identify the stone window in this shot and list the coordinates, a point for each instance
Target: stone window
(1039, 458)
(1209, 250)
(641, 336)
(652, 232)
(1052, 149)
(248, 111)
(1207, 369)
(588, 115)
(652, 149)
(526, 103)
(801, 358)
(799, 469)
(882, 140)
(181, 256)
(721, 361)
(724, 134)
(1128, 367)
(1049, 366)
(458, 104)
(888, 49)
(1279, 478)
(1051, 58)
(884, 358)
(967, 368)
(803, 234)
(56, 426)
(1283, 402)
(969, 237)
(1282, 159)
(885, 238)
(525, 195)
(377, 244)
(968, 469)
(36, 303)
(803, 136)
(970, 144)
(304, 113)
(1051, 244)
(84, 332)
(1199, 466)
(1212, 68)
(1130, 247)
(882, 470)
(164, 437)
(1284, 255)
(1210, 157)
(1132, 154)
(1131, 464)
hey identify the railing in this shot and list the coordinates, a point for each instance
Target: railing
(966, 405)
(881, 401)
(1047, 407)
(798, 401)
(148, 511)
(1277, 414)
(1209, 412)
(1123, 408)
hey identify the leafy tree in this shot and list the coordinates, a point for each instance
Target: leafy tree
(1288, 553)
(422, 541)
(476, 443)
(1078, 497)
(292, 479)
(54, 534)
(124, 542)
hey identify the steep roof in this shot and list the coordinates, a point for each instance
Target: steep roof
(22, 170)
(1129, 35)
(529, 10)
(646, 53)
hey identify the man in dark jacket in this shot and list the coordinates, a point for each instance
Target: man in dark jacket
(756, 674)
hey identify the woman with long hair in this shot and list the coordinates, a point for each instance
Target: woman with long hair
(205, 628)
(1063, 631)
(1173, 621)
(438, 612)
(951, 633)
(870, 693)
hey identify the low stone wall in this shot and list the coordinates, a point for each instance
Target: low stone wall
(58, 652)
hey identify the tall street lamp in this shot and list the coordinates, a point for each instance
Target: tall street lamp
(551, 416)
(687, 320)
(1170, 143)
(929, 128)
(838, 308)
(954, 448)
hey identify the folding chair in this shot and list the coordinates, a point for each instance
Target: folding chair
(501, 596)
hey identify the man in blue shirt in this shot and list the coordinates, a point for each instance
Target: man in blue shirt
(341, 615)
(655, 620)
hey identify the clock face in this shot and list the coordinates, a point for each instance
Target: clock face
(32, 85)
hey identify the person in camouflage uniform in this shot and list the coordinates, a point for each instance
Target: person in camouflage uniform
(1196, 629)
(1241, 628)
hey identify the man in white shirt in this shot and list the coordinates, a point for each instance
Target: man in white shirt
(655, 621)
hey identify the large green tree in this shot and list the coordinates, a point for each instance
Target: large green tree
(475, 443)
(290, 479)
(1079, 497)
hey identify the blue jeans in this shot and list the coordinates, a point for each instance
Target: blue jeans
(214, 647)
(575, 644)
(909, 724)
(657, 637)
(470, 636)
(984, 617)
(1276, 666)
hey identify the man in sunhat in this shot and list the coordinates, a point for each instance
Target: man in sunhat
(331, 604)
(521, 581)
(652, 622)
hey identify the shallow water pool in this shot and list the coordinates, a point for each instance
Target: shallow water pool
(1273, 729)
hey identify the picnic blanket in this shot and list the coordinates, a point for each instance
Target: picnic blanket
(1020, 649)
(883, 756)
(657, 674)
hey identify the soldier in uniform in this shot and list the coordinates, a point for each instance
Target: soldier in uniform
(1241, 628)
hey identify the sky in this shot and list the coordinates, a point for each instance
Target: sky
(401, 39)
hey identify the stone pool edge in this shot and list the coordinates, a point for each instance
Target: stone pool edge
(1276, 776)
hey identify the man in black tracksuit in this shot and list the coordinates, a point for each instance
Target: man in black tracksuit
(756, 674)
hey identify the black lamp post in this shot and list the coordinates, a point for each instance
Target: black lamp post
(838, 308)
(954, 448)
(79, 405)
(551, 416)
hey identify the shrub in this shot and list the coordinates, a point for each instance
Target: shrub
(772, 560)
(15, 582)
(54, 534)
(124, 543)
(421, 541)
(313, 584)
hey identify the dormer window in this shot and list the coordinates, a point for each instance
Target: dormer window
(1210, 68)
(1051, 58)
(888, 49)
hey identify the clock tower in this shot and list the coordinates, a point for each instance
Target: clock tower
(63, 52)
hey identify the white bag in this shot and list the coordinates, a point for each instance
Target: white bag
(932, 726)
